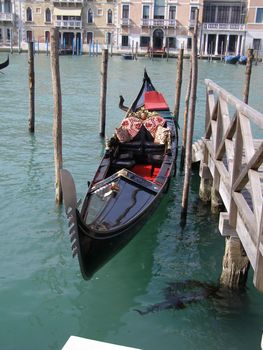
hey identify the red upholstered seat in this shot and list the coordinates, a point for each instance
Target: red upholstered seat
(154, 100)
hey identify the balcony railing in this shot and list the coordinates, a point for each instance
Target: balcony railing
(9, 17)
(224, 26)
(147, 22)
(69, 1)
(68, 24)
(125, 21)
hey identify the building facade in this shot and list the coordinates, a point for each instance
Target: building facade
(225, 26)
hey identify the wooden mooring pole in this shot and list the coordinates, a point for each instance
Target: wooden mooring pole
(178, 83)
(31, 80)
(103, 91)
(186, 111)
(250, 57)
(57, 121)
(190, 127)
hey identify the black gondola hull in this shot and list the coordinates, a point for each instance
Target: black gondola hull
(94, 253)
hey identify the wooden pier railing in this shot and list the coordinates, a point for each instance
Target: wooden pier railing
(231, 154)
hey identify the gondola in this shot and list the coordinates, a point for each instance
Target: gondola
(134, 174)
(4, 64)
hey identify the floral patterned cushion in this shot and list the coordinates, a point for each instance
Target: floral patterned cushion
(132, 125)
(122, 135)
(152, 124)
(162, 135)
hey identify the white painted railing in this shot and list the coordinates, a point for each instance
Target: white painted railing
(68, 24)
(224, 26)
(6, 16)
(158, 22)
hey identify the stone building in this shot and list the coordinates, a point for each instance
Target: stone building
(225, 26)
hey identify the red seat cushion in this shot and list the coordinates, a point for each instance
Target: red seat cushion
(154, 100)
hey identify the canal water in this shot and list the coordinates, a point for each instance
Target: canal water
(43, 298)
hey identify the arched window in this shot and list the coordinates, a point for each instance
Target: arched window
(47, 36)
(109, 17)
(90, 16)
(89, 37)
(48, 15)
(29, 36)
(29, 14)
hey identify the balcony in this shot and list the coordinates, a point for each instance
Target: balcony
(68, 1)
(69, 24)
(224, 26)
(125, 22)
(147, 22)
(6, 17)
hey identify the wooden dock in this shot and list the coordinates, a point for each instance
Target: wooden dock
(231, 157)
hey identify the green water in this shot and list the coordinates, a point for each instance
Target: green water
(43, 299)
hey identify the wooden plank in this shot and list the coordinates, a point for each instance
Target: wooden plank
(254, 116)
(254, 163)
(247, 136)
(246, 214)
(247, 242)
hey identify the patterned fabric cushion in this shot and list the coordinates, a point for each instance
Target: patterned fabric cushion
(162, 135)
(123, 135)
(152, 124)
(132, 125)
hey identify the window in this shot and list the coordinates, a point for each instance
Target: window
(1, 36)
(47, 36)
(146, 12)
(159, 7)
(90, 16)
(256, 44)
(109, 17)
(7, 6)
(100, 12)
(124, 40)
(209, 13)
(223, 14)
(29, 36)
(29, 14)
(89, 37)
(172, 12)
(189, 43)
(192, 13)
(125, 11)
(171, 42)
(8, 34)
(38, 10)
(48, 15)
(259, 15)
(144, 41)
(108, 38)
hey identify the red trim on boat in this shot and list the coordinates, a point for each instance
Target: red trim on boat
(154, 100)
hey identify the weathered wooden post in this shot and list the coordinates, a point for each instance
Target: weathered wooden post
(186, 110)
(31, 80)
(57, 121)
(235, 264)
(178, 83)
(190, 128)
(103, 91)
(250, 57)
